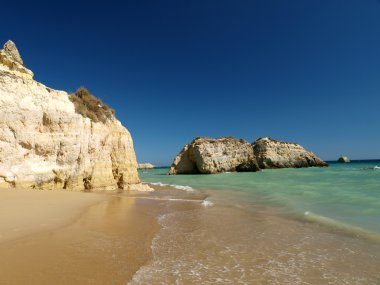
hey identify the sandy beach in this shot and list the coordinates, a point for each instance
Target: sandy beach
(58, 237)
(26, 212)
(169, 236)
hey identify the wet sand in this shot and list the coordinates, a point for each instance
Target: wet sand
(170, 237)
(231, 243)
(75, 238)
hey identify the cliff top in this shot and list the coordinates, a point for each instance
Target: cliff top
(11, 50)
(221, 139)
(268, 139)
(11, 61)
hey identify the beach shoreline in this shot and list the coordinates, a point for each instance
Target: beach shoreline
(171, 236)
(61, 237)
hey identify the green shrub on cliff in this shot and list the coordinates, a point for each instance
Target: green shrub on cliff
(91, 107)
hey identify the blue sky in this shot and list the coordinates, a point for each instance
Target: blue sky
(299, 71)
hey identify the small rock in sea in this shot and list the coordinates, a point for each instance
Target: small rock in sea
(343, 159)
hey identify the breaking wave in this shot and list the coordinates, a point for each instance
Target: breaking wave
(346, 228)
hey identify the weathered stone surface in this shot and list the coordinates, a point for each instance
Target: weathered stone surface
(11, 62)
(272, 153)
(145, 166)
(44, 143)
(204, 155)
(344, 159)
(11, 49)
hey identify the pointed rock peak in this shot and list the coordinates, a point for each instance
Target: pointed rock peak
(11, 49)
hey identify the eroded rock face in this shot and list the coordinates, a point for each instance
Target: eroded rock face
(272, 153)
(44, 143)
(11, 62)
(11, 50)
(204, 155)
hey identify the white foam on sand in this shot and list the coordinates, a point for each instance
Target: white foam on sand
(202, 247)
(179, 187)
(158, 184)
(207, 203)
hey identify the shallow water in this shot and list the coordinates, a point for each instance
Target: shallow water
(253, 229)
(347, 193)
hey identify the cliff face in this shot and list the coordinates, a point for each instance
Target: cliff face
(272, 153)
(44, 143)
(209, 156)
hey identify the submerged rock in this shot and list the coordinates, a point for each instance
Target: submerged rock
(146, 166)
(272, 153)
(344, 159)
(205, 155)
(45, 143)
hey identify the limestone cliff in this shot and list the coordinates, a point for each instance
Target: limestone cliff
(44, 143)
(272, 153)
(204, 155)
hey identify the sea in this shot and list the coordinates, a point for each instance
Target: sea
(276, 226)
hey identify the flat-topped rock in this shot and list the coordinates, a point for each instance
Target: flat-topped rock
(207, 156)
(272, 153)
(344, 159)
(146, 166)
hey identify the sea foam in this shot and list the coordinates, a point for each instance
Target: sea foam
(207, 203)
(179, 187)
(158, 184)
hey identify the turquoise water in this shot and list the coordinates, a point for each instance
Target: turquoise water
(346, 193)
(279, 227)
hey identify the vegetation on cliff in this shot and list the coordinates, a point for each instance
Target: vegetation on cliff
(91, 107)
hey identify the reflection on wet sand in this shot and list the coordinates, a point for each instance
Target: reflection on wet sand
(106, 245)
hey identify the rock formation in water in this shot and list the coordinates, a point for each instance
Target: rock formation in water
(344, 159)
(146, 166)
(45, 143)
(272, 153)
(204, 155)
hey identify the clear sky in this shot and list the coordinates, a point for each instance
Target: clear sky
(297, 70)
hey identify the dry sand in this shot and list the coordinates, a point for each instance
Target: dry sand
(58, 237)
(25, 212)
